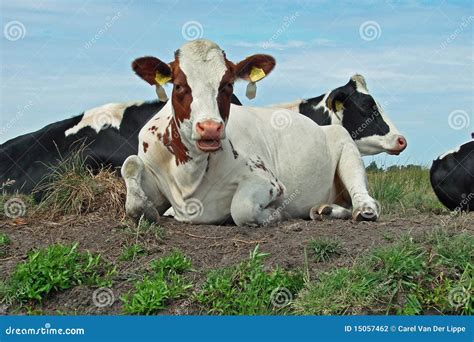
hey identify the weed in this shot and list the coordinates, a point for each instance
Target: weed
(247, 289)
(166, 282)
(4, 242)
(129, 253)
(324, 248)
(56, 268)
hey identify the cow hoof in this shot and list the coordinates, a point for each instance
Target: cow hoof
(320, 213)
(365, 214)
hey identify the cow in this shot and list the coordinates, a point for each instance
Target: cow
(214, 162)
(452, 177)
(356, 110)
(106, 136)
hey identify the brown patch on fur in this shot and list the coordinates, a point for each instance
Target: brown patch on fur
(226, 88)
(181, 96)
(234, 152)
(172, 141)
(145, 147)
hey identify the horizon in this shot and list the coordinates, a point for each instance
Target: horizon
(417, 57)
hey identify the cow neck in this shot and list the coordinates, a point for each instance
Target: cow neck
(318, 105)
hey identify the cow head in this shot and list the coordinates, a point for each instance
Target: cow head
(203, 83)
(365, 119)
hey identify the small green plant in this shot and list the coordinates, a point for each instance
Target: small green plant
(324, 248)
(131, 252)
(166, 282)
(247, 289)
(56, 268)
(4, 242)
(176, 261)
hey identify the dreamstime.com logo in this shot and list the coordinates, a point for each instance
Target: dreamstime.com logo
(281, 297)
(458, 297)
(459, 119)
(281, 119)
(14, 30)
(192, 30)
(46, 330)
(370, 30)
(193, 208)
(103, 297)
(14, 208)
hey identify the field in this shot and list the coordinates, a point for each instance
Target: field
(76, 253)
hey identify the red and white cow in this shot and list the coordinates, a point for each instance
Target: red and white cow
(213, 161)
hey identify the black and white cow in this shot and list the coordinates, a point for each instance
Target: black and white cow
(109, 134)
(357, 111)
(452, 177)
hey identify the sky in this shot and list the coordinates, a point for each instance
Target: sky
(59, 58)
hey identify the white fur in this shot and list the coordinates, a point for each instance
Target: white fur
(98, 118)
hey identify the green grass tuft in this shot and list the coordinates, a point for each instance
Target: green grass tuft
(4, 243)
(166, 282)
(324, 248)
(399, 189)
(131, 252)
(56, 268)
(247, 289)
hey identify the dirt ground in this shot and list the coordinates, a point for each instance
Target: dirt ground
(209, 247)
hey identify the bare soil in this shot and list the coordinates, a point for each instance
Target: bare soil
(208, 246)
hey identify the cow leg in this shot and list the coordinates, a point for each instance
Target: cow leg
(332, 211)
(350, 171)
(257, 201)
(151, 203)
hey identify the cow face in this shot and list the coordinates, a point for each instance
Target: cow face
(365, 119)
(203, 83)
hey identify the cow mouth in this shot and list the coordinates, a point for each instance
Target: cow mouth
(394, 152)
(209, 145)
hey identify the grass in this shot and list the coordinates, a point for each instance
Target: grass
(145, 228)
(129, 253)
(53, 269)
(247, 289)
(323, 249)
(401, 189)
(165, 283)
(433, 275)
(4, 242)
(72, 188)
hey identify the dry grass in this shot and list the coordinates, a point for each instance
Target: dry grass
(73, 189)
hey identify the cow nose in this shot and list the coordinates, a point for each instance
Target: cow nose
(401, 143)
(209, 129)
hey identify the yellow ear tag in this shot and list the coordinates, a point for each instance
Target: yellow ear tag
(256, 74)
(160, 91)
(339, 106)
(161, 79)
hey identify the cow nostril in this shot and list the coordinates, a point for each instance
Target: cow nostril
(402, 142)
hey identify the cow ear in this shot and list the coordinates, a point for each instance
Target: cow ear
(335, 100)
(253, 69)
(155, 72)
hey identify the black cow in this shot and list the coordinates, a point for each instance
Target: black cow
(452, 178)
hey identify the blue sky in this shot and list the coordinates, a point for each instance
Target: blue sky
(68, 56)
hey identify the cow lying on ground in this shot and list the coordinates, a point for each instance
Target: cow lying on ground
(213, 161)
(110, 133)
(356, 110)
(452, 177)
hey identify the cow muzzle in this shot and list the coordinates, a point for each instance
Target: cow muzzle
(400, 146)
(210, 133)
